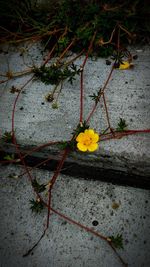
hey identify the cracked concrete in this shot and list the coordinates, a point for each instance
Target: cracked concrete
(127, 95)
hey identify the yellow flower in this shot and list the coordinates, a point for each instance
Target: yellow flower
(125, 65)
(87, 140)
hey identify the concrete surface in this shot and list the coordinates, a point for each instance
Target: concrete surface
(66, 245)
(36, 122)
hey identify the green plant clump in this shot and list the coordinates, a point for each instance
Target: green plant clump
(36, 206)
(55, 74)
(79, 20)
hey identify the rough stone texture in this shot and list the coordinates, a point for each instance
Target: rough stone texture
(66, 244)
(127, 96)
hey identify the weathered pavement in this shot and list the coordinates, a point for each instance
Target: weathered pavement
(127, 95)
(82, 200)
(116, 209)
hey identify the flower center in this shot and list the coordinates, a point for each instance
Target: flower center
(87, 141)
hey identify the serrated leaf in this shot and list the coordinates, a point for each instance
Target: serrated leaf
(38, 187)
(36, 206)
(121, 125)
(96, 96)
(117, 241)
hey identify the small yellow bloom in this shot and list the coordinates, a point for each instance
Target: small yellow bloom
(87, 140)
(125, 65)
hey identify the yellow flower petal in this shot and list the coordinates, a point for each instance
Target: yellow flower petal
(81, 147)
(92, 147)
(125, 65)
(80, 137)
(95, 138)
(89, 131)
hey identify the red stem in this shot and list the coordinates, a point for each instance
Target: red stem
(106, 110)
(65, 51)
(79, 224)
(49, 55)
(40, 147)
(13, 129)
(81, 79)
(89, 230)
(116, 134)
(37, 165)
(52, 181)
(4, 81)
(81, 97)
(52, 50)
(102, 91)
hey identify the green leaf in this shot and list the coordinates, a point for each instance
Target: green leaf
(9, 157)
(63, 145)
(55, 105)
(117, 241)
(96, 96)
(81, 127)
(70, 145)
(118, 58)
(63, 42)
(7, 137)
(38, 187)
(36, 206)
(121, 125)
